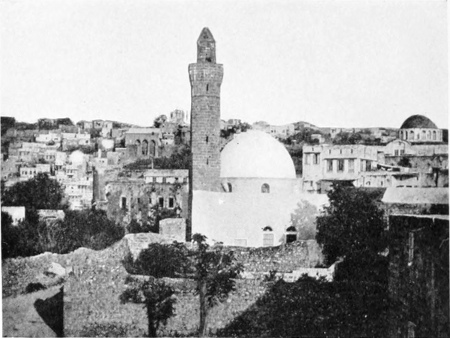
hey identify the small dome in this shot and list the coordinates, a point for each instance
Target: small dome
(256, 154)
(418, 121)
(76, 157)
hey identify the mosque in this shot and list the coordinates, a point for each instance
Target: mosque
(245, 194)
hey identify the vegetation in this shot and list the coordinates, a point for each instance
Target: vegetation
(304, 220)
(6, 123)
(178, 160)
(353, 225)
(212, 269)
(404, 162)
(157, 298)
(215, 272)
(41, 192)
(160, 260)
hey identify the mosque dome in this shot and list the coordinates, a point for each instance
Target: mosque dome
(418, 121)
(256, 154)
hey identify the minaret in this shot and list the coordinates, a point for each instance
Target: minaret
(205, 77)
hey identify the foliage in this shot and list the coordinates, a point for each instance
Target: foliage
(352, 225)
(160, 260)
(215, 272)
(159, 121)
(347, 138)
(304, 135)
(6, 123)
(304, 220)
(157, 298)
(404, 162)
(33, 287)
(178, 160)
(134, 227)
(85, 228)
(315, 308)
(41, 192)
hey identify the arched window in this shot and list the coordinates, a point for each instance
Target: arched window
(429, 135)
(434, 135)
(291, 234)
(411, 135)
(230, 187)
(406, 135)
(265, 188)
(145, 148)
(268, 237)
(152, 148)
(424, 134)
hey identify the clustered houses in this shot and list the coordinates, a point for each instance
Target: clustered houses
(281, 132)
(417, 160)
(78, 156)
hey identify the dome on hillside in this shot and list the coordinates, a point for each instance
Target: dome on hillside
(76, 157)
(418, 121)
(255, 154)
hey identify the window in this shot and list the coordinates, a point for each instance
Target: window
(316, 158)
(171, 202)
(429, 135)
(265, 188)
(434, 135)
(329, 165)
(123, 203)
(402, 151)
(368, 165)
(145, 148)
(418, 136)
(406, 135)
(340, 165)
(291, 234)
(351, 165)
(161, 202)
(396, 152)
(230, 187)
(268, 239)
(306, 159)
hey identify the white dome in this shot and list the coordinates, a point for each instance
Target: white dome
(256, 154)
(76, 157)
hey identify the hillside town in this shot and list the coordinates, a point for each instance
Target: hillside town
(248, 220)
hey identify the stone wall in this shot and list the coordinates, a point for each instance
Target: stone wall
(173, 229)
(283, 259)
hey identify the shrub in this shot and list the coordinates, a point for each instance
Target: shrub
(33, 287)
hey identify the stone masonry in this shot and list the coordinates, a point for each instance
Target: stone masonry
(205, 78)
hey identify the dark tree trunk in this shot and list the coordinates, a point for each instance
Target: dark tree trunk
(203, 310)
(151, 326)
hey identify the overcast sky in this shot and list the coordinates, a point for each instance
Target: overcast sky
(333, 63)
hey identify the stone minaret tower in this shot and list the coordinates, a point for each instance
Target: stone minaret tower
(205, 77)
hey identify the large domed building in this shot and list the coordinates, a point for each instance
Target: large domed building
(255, 162)
(245, 194)
(420, 129)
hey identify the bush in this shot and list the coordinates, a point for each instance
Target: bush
(159, 260)
(33, 287)
(104, 330)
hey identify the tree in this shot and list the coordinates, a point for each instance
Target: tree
(352, 226)
(159, 121)
(304, 220)
(404, 162)
(41, 192)
(157, 298)
(215, 271)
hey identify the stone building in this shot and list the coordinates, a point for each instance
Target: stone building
(143, 142)
(244, 195)
(134, 197)
(420, 129)
(325, 164)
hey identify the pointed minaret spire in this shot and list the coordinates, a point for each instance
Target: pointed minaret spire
(206, 47)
